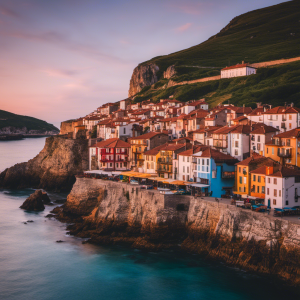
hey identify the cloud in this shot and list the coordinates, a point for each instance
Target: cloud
(61, 73)
(65, 42)
(9, 12)
(183, 27)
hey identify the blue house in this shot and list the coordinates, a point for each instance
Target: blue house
(216, 170)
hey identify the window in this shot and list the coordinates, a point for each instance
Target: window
(183, 177)
(267, 150)
(258, 188)
(258, 178)
(188, 159)
(286, 202)
(258, 138)
(258, 146)
(268, 191)
(263, 189)
(241, 179)
(269, 180)
(253, 188)
(236, 152)
(236, 144)
(272, 151)
(124, 130)
(274, 201)
(207, 161)
(183, 158)
(188, 169)
(279, 193)
(275, 180)
(183, 168)
(240, 169)
(290, 117)
(290, 125)
(254, 177)
(245, 180)
(203, 162)
(275, 193)
(117, 165)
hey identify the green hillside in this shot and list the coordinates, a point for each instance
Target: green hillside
(18, 121)
(274, 85)
(260, 35)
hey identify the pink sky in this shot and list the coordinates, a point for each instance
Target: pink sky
(61, 59)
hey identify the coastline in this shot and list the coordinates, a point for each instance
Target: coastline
(100, 211)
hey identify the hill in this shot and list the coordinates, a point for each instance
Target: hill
(8, 119)
(261, 35)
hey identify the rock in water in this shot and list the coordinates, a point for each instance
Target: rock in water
(35, 202)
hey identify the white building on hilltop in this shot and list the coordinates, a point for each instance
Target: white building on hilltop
(237, 70)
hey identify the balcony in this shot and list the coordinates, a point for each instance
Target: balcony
(163, 170)
(165, 160)
(220, 145)
(285, 154)
(203, 181)
(228, 175)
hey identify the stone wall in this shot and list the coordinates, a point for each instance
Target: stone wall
(113, 212)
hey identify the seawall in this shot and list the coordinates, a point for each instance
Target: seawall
(110, 212)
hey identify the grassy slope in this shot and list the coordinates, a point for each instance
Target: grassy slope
(256, 36)
(18, 121)
(274, 85)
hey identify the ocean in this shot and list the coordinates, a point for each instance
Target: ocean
(33, 266)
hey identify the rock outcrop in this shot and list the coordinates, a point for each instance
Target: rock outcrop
(169, 72)
(143, 75)
(36, 201)
(10, 130)
(110, 212)
(54, 168)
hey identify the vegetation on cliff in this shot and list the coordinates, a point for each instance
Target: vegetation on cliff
(8, 119)
(261, 35)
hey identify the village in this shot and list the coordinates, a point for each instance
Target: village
(248, 155)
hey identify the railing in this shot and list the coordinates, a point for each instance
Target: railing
(285, 154)
(228, 175)
(164, 170)
(168, 160)
(203, 181)
(220, 145)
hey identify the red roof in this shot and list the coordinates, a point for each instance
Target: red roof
(237, 66)
(283, 110)
(146, 136)
(289, 134)
(112, 143)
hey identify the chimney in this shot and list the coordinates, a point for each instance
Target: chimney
(243, 62)
(292, 104)
(269, 171)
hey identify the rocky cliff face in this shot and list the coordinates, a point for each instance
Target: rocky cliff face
(52, 169)
(143, 75)
(169, 72)
(109, 212)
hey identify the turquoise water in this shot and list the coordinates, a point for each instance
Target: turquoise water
(34, 266)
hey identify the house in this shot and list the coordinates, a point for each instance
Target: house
(237, 70)
(240, 137)
(204, 136)
(196, 119)
(217, 117)
(124, 103)
(143, 143)
(215, 170)
(282, 187)
(282, 117)
(260, 136)
(242, 173)
(185, 163)
(284, 147)
(151, 158)
(167, 164)
(109, 155)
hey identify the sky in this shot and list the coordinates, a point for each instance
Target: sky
(61, 59)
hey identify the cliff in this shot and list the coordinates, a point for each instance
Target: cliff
(143, 75)
(110, 212)
(52, 169)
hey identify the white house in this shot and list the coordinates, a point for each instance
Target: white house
(283, 188)
(238, 70)
(283, 118)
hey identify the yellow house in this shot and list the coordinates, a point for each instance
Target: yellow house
(243, 178)
(284, 147)
(151, 158)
